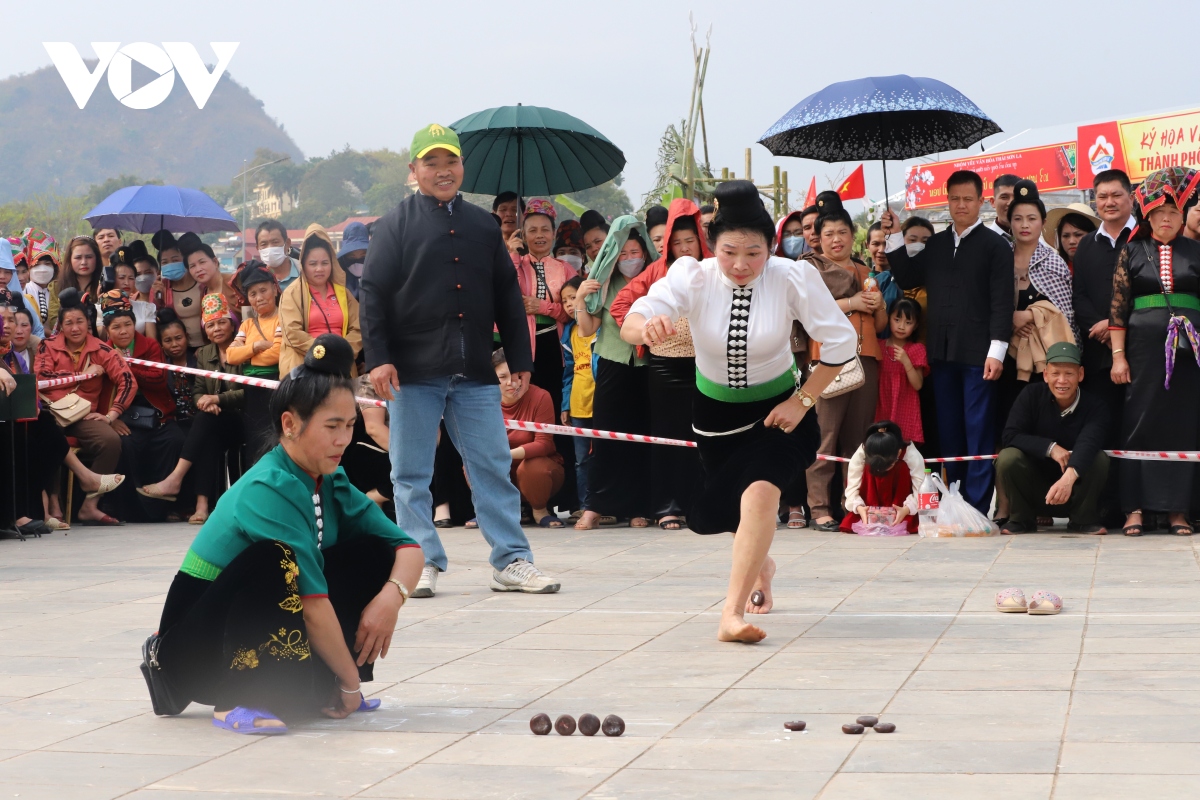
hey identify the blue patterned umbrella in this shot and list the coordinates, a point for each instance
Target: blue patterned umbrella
(896, 117)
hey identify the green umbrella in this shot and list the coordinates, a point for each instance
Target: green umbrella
(534, 151)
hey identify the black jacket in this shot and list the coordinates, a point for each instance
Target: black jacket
(1094, 264)
(1036, 422)
(433, 286)
(970, 292)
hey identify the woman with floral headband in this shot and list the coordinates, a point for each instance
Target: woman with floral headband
(1156, 296)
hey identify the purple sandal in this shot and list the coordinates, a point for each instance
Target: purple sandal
(241, 720)
(369, 705)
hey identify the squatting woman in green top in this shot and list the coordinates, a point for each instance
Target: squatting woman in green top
(290, 591)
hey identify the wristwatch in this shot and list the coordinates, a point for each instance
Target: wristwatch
(806, 399)
(403, 589)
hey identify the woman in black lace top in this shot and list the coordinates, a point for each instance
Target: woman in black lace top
(1156, 296)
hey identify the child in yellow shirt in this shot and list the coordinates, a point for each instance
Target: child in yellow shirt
(579, 385)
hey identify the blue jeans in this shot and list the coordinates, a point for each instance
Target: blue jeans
(966, 423)
(583, 459)
(476, 426)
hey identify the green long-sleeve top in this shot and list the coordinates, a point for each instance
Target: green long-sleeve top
(230, 396)
(274, 501)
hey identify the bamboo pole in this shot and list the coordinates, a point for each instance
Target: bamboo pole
(787, 203)
(775, 190)
(748, 166)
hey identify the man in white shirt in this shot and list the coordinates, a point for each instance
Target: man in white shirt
(1002, 195)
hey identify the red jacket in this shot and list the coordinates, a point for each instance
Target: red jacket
(116, 389)
(535, 406)
(152, 382)
(640, 285)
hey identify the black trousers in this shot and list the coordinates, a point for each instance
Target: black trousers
(260, 431)
(548, 375)
(240, 640)
(209, 441)
(148, 456)
(366, 466)
(40, 447)
(675, 470)
(619, 483)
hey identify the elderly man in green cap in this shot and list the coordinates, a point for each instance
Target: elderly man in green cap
(1052, 459)
(437, 281)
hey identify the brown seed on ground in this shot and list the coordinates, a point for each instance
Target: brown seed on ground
(613, 725)
(885, 727)
(867, 721)
(540, 724)
(565, 725)
(758, 598)
(852, 728)
(797, 725)
(589, 724)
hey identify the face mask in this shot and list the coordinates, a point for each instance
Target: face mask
(273, 256)
(793, 246)
(630, 266)
(575, 261)
(355, 269)
(144, 283)
(914, 247)
(41, 275)
(174, 271)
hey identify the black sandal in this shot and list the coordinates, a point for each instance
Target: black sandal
(671, 524)
(1181, 530)
(1132, 530)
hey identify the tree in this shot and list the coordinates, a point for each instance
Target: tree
(98, 191)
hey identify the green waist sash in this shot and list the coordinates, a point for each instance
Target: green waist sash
(197, 567)
(542, 320)
(751, 394)
(255, 371)
(1160, 301)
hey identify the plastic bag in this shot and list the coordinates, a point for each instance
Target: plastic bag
(880, 529)
(957, 517)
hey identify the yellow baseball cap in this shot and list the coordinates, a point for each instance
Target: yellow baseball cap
(432, 137)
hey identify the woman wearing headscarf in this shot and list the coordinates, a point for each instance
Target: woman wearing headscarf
(316, 303)
(150, 437)
(675, 470)
(41, 253)
(845, 416)
(1156, 297)
(750, 409)
(290, 591)
(216, 426)
(109, 391)
(619, 481)
(256, 348)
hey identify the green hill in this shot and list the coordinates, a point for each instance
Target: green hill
(49, 145)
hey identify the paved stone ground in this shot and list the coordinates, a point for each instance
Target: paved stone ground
(1101, 701)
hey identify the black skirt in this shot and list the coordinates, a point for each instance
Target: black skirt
(733, 462)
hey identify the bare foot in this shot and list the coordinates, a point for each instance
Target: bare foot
(258, 723)
(590, 520)
(167, 487)
(639, 522)
(734, 628)
(763, 584)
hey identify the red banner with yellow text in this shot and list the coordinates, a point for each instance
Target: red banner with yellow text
(1051, 167)
(1139, 146)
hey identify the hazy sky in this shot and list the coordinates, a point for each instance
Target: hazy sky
(368, 73)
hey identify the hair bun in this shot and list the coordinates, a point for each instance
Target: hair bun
(1025, 190)
(829, 202)
(70, 298)
(330, 354)
(738, 203)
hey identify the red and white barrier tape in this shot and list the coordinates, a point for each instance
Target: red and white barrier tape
(69, 379)
(591, 433)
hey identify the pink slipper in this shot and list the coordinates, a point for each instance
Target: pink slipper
(1011, 600)
(1043, 602)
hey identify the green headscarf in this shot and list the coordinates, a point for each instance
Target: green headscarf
(606, 259)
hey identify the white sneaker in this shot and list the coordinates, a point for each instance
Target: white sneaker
(428, 582)
(522, 576)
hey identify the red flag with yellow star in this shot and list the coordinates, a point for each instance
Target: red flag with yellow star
(854, 187)
(810, 199)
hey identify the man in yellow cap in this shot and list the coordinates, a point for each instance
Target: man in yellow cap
(437, 281)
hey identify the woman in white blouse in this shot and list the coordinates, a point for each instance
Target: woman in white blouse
(749, 411)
